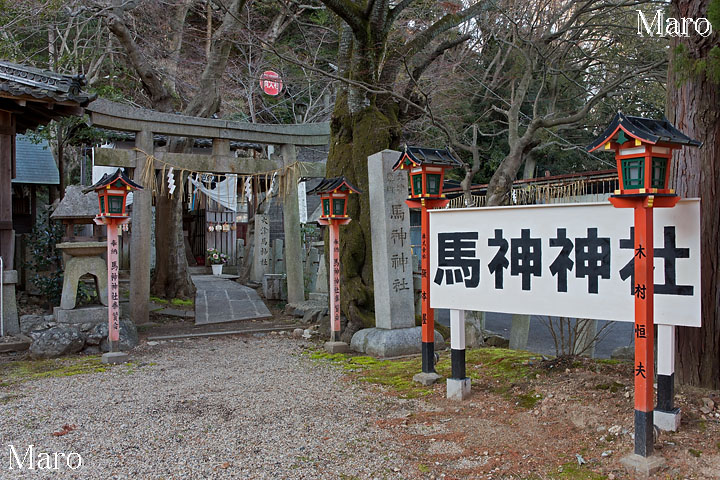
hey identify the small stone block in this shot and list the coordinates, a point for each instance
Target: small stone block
(458, 389)
(667, 421)
(425, 378)
(115, 358)
(18, 345)
(319, 297)
(336, 347)
(644, 466)
(92, 314)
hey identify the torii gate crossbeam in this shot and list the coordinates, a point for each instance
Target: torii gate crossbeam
(145, 123)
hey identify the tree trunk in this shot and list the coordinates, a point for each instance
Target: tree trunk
(693, 109)
(354, 137)
(172, 273)
(502, 180)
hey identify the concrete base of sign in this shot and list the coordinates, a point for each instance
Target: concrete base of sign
(93, 314)
(458, 388)
(426, 379)
(391, 342)
(115, 357)
(519, 332)
(336, 347)
(644, 466)
(667, 421)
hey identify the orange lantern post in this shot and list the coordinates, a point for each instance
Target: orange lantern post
(427, 173)
(334, 194)
(643, 152)
(112, 193)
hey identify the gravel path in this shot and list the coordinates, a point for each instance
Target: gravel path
(241, 407)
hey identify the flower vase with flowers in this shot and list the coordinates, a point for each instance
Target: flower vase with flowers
(216, 259)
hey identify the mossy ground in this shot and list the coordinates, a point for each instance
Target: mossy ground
(182, 302)
(178, 302)
(392, 373)
(573, 471)
(504, 368)
(27, 370)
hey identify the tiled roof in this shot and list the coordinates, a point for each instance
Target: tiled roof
(38, 96)
(76, 204)
(429, 156)
(34, 162)
(330, 184)
(110, 179)
(646, 129)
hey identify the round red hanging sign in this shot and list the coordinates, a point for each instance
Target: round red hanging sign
(271, 83)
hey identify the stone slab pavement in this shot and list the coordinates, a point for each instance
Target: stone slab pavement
(221, 300)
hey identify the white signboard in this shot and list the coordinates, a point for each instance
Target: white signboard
(571, 260)
(302, 201)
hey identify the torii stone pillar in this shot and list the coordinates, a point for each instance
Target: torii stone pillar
(141, 235)
(291, 224)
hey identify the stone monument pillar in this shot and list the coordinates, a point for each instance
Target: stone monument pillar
(395, 333)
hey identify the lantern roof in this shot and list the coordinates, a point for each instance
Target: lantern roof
(644, 129)
(110, 179)
(428, 156)
(328, 185)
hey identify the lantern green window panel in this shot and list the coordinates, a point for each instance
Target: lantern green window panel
(417, 184)
(433, 185)
(115, 204)
(338, 207)
(659, 168)
(633, 170)
(326, 207)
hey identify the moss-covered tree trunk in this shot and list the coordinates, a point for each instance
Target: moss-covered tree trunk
(354, 137)
(366, 120)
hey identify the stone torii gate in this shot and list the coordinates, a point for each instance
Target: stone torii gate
(145, 123)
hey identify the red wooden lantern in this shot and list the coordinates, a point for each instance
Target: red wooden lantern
(112, 193)
(334, 193)
(643, 151)
(427, 170)
(427, 173)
